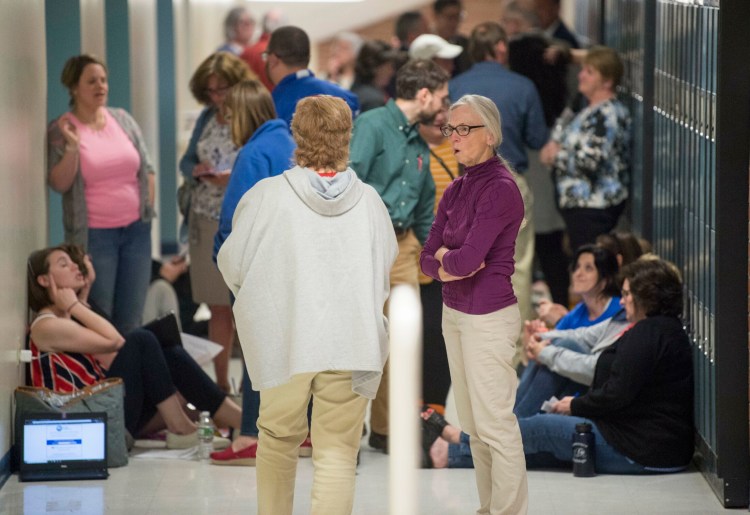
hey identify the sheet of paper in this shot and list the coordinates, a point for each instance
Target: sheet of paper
(201, 350)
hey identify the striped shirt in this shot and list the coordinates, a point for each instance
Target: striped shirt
(63, 372)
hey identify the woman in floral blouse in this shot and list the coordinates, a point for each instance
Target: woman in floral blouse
(207, 163)
(590, 156)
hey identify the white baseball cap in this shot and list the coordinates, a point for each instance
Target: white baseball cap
(429, 46)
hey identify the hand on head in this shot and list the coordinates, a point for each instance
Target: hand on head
(62, 298)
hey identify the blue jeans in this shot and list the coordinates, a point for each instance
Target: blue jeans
(250, 406)
(122, 258)
(547, 443)
(539, 383)
(459, 454)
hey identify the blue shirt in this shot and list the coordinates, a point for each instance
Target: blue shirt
(516, 97)
(296, 86)
(267, 153)
(579, 315)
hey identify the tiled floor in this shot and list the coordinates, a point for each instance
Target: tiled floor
(163, 487)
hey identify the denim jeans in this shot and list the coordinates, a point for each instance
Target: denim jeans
(250, 406)
(459, 454)
(539, 383)
(122, 259)
(547, 443)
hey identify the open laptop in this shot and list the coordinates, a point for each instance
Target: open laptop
(61, 446)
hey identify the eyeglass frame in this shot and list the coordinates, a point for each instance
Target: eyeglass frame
(217, 91)
(447, 129)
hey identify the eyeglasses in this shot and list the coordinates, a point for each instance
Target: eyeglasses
(217, 91)
(462, 130)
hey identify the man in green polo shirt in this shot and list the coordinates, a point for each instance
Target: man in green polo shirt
(388, 153)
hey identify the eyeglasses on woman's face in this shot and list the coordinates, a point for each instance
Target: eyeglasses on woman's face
(461, 130)
(221, 91)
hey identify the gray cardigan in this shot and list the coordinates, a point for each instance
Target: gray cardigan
(575, 365)
(75, 215)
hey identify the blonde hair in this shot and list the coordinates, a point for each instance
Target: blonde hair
(222, 64)
(322, 129)
(606, 61)
(248, 106)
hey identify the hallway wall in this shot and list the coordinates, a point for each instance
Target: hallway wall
(23, 222)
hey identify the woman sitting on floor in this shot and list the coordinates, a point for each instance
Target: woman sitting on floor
(73, 347)
(641, 402)
(594, 278)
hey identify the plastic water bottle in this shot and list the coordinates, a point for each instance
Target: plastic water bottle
(205, 436)
(583, 451)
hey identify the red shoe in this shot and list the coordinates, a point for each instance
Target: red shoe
(305, 448)
(245, 457)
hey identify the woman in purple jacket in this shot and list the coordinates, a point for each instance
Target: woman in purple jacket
(470, 250)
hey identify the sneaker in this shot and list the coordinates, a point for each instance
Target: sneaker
(245, 457)
(378, 442)
(305, 448)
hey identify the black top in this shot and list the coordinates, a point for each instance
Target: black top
(526, 56)
(642, 396)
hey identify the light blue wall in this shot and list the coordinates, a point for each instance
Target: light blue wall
(63, 31)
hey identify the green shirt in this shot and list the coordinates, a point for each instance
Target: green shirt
(389, 154)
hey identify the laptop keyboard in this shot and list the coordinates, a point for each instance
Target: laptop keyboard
(63, 474)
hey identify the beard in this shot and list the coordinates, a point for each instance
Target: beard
(427, 118)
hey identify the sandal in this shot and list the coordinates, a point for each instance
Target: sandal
(429, 435)
(433, 419)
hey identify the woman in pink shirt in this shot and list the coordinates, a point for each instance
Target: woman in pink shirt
(98, 160)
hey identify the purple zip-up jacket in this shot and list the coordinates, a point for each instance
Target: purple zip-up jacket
(478, 220)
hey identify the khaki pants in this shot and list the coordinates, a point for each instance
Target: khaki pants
(405, 271)
(338, 415)
(524, 258)
(480, 353)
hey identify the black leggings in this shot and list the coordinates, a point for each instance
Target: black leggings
(151, 374)
(436, 376)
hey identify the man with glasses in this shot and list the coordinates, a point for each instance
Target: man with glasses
(287, 57)
(448, 15)
(523, 125)
(388, 153)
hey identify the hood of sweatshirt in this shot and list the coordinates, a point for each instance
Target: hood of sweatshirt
(327, 198)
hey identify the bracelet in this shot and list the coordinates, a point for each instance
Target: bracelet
(72, 306)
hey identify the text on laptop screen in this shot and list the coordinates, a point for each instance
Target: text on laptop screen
(46, 441)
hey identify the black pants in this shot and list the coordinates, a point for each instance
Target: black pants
(151, 374)
(554, 264)
(585, 224)
(436, 376)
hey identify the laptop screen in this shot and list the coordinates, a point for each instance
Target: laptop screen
(72, 438)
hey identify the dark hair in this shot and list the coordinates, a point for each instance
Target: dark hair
(483, 39)
(439, 5)
(606, 266)
(372, 54)
(621, 243)
(656, 286)
(417, 74)
(37, 265)
(290, 44)
(406, 23)
(73, 70)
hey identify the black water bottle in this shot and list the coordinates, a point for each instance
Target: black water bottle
(583, 451)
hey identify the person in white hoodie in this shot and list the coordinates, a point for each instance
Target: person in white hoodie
(308, 260)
